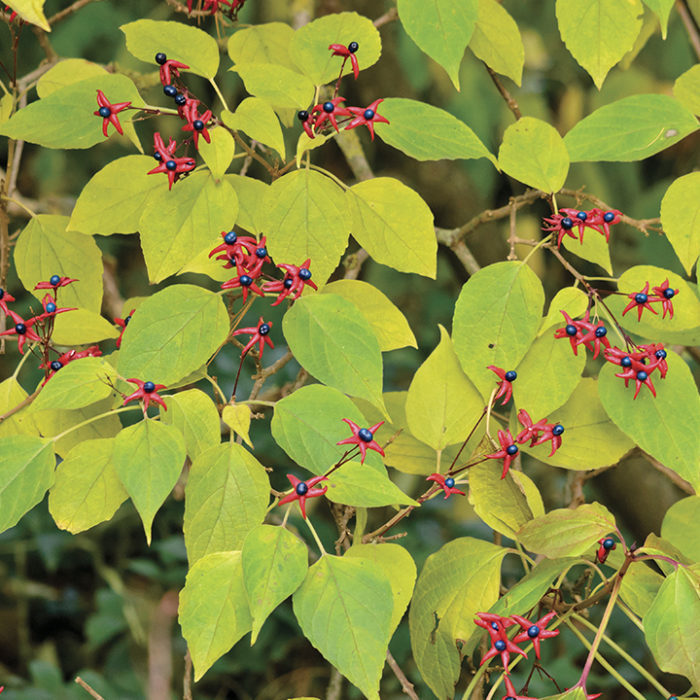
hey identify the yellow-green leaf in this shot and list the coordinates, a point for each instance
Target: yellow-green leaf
(680, 217)
(194, 414)
(686, 89)
(67, 72)
(256, 118)
(81, 327)
(280, 86)
(662, 9)
(261, 43)
(20, 423)
(497, 41)
(533, 153)
(570, 299)
(218, 154)
(30, 10)
(250, 193)
(599, 33)
(238, 419)
(594, 248)
(394, 225)
(360, 485)
(680, 526)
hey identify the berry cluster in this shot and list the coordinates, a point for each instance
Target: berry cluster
(65, 358)
(639, 365)
(564, 222)
(584, 332)
(662, 294)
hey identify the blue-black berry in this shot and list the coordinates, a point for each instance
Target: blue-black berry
(171, 165)
(365, 435)
(369, 114)
(302, 115)
(571, 330)
(642, 375)
(500, 645)
(198, 124)
(511, 375)
(558, 429)
(533, 631)
(264, 328)
(105, 112)
(449, 482)
(608, 543)
(669, 293)
(328, 107)
(2, 293)
(161, 58)
(641, 298)
(20, 329)
(230, 238)
(56, 365)
(180, 100)
(170, 90)
(608, 217)
(601, 332)
(288, 282)
(261, 252)
(512, 449)
(245, 280)
(148, 387)
(54, 280)
(566, 223)
(626, 362)
(582, 215)
(301, 488)
(305, 274)
(661, 354)
(158, 156)
(353, 46)
(50, 307)
(126, 321)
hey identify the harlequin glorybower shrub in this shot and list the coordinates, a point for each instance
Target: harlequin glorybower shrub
(244, 210)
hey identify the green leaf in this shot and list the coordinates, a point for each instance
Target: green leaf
(26, 472)
(334, 343)
(45, 248)
(304, 143)
(662, 9)
(388, 323)
(275, 563)
(308, 424)
(262, 43)
(309, 46)
(174, 333)
(250, 193)
(459, 580)
(672, 626)
(238, 419)
(113, 199)
(426, 132)
(31, 11)
(680, 217)
(547, 375)
(148, 458)
(280, 86)
(344, 608)
(194, 414)
(497, 41)
(218, 154)
(66, 119)
(442, 405)
(533, 152)
(21, 423)
(500, 503)
(81, 327)
(214, 612)
(496, 319)
(567, 532)
(666, 426)
(575, 694)
(178, 41)
(356, 484)
(67, 72)
(598, 33)
(306, 218)
(255, 116)
(441, 28)
(176, 227)
(394, 225)
(226, 496)
(594, 248)
(679, 526)
(639, 588)
(686, 89)
(585, 423)
(87, 489)
(570, 299)
(629, 129)
(7, 104)
(80, 383)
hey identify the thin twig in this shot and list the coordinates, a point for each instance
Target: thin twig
(690, 27)
(406, 685)
(335, 687)
(20, 405)
(387, 17)
(513, 234)
(260, 379)
(187, 679)
(510, 100)
(68, 11)
(679, 481)
(85, 686)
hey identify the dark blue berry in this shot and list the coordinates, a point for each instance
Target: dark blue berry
(264, 328)
(171, 165)
(261, 252)
(126, 321)
(302, 115)
(641, 298)
(170, 90)
(571, 330)
(510, 697)
(511, 375)
(353, 46)
(494, 626)
(369, 114)
(56, 365)
(328, 107)
(669, 293)
(512, 449)
(626, 362)
(558, 429)
(232, 260)
(2, 293)
(50, 307)
(601, 332)
(533, 631)
(608, 217)
(365, 435)
(105, 112)
(566, 223)
(304, 274)
(288, 282)
(180, 100)
(20, 329)
(198, 124)
(245, 280)
(608, 543)
(582, 215)
(161, 58)
(230, 238)
(449, 482)
(500, 645)
(158, 156)
(301, 488)
(661, 354)
(54, 280)
(148, 387)
(642, 375)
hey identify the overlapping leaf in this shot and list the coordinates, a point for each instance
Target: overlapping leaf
(194, 414)
(680, 217)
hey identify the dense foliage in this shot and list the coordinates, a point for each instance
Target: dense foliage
(311, 317)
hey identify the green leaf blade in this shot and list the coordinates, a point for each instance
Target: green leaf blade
(680, 218)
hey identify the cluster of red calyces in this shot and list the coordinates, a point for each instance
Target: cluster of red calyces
(314, 120)
(584, 332)
(641, 300)
(570, 222)
(639, 365)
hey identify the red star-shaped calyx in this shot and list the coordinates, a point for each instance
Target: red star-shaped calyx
(161, 152)
(665, 294)
(55, 282)
(147, 392)
(329, 110)
(169, 69)
(534, 631)
(367, 117)
(511, 694)
(302, 491)
(640, 301)
(109, 112)
(197, 124)
(5, 298)
(50, 308)
(22, 329)
(363, 438)
(607, 544)
(296, 278)
(123, 323)
(347, 52)
(174, 167)
(447, 483)
(508, 452)
(505, 388)
(245, 282)
(260, 335)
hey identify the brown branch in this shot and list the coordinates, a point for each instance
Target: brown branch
(466, 257)
(690, 27)
(335, 687)
(406, 685)
(387, 17)
(679, 481)
(20, 405)
(68, 11)
(187, 679)
(513, 234)
(85, 686)
(261, 378)
(510, 100)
